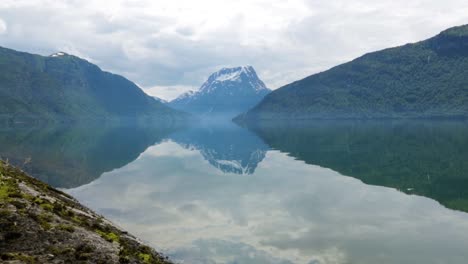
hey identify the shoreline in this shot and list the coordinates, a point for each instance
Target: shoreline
(40, 224)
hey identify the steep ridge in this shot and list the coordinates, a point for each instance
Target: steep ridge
(427, 79)
(63, 86)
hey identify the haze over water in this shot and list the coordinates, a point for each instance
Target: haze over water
(324, 192)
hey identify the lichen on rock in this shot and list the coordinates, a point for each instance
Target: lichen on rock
(39, 224)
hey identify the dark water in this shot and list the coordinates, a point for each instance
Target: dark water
(323, 192)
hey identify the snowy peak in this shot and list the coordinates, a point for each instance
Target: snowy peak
(244, 75)
(227, 92)
(233, 74)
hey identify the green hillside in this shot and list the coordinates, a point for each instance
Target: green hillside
(428, 79)
(67, 87)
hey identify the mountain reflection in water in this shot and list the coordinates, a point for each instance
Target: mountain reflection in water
(309, 192)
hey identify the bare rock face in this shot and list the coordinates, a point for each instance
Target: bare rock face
(39, 224)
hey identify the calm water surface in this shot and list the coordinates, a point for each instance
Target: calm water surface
(326, 192)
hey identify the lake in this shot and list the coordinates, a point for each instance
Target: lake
(310, 192)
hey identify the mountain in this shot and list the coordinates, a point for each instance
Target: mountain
(428, 79)
(67, 87)
(160, 100)
(227, 92)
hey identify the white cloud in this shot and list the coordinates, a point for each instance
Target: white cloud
(179, 43)
(169, 92)
(3, 26)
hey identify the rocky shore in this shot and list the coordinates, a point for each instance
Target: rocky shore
(39, 224)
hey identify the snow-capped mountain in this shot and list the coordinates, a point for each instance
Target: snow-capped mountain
(228, 92)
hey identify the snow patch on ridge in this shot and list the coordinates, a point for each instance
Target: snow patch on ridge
(58, 54)
(233, 76)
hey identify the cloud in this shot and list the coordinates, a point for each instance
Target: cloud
(3, 26)
(169, 92)
(171, 44)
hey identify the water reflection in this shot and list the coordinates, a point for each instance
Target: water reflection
(68, 156)
(315, 193)
(285, 212)
(224, 145)
(416, 157)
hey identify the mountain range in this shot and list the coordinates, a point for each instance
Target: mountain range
(427, 79)
(227, 92)
(63, 86)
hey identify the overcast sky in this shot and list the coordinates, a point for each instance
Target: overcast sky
(168, 47)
